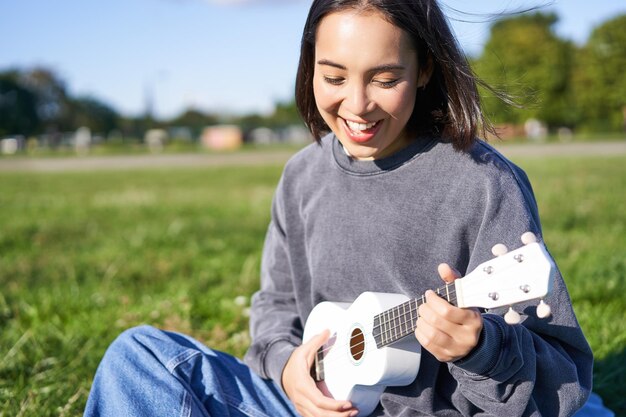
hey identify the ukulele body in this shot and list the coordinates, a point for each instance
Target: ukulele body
(359, 360)
(352, 366)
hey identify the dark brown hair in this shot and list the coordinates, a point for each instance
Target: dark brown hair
(448, 106)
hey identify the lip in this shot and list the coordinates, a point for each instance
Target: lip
(364, 136)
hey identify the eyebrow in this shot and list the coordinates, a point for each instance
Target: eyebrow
(379, 68)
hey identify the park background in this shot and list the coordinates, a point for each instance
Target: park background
(140, 145)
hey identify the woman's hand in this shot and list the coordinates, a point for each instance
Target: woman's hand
(301, 388)
(448, 332)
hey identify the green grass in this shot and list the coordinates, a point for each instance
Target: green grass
(84, 256)
(135, 147)
(582, 202)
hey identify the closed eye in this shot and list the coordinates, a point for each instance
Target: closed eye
(333, 80)
(387, 84)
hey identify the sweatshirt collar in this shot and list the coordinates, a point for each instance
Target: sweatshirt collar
(379, 166)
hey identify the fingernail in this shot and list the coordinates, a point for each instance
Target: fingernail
(354, 413)
(346, 406)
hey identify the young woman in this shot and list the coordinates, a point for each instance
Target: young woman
(396, 184)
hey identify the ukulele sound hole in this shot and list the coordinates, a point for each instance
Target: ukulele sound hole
(357, 344)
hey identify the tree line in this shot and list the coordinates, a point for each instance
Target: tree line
(36, 101)
(553, 80)
(546, 77)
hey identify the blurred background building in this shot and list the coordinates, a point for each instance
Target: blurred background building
(157, 74)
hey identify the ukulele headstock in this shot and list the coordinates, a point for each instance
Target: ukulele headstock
(521, 275)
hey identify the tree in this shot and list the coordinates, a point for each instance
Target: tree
(94, 114)
(18, 107)
(194, 120)
(286, 113)
(598, 82)
(53, 104)
(526, 59)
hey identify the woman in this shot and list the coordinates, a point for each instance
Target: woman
(398, 186)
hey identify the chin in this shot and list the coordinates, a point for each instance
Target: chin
(362, 153)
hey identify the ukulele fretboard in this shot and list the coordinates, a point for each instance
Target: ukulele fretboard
(400, 321)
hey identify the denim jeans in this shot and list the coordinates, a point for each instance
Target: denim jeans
(150, 372)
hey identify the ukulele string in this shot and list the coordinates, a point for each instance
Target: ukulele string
(340, 358)
(402, 321)
(406, 315)
(448, 291)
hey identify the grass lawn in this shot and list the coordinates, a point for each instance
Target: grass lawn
(85, 255)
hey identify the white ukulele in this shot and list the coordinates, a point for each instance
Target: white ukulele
(369, 348)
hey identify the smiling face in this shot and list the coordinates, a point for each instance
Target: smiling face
(365, 81)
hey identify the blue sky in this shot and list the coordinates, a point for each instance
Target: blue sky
(216, 55)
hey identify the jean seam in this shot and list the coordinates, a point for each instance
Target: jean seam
(231, 402)
(173, 363)
(171, 366)
(185, 410)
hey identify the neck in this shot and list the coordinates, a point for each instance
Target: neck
(400, 321)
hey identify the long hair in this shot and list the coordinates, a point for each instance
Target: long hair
(448, 106)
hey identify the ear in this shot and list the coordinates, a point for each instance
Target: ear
(425, 72)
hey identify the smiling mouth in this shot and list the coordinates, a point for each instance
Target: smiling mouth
(361, 128)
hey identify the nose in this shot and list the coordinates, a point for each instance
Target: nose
(357, 100)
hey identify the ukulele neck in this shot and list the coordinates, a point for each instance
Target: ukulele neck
(400, 321)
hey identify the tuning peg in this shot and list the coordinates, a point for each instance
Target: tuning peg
(543, 310)
(512, 316)
(499, 250)
(528, 237)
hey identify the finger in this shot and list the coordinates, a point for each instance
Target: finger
(313, 399)
(301, 360)
(440, 309)
(312, 346)
(318, 340)
(457, 337)
(330, 404)
(434, 341)
(316, 403)
(429, 334)
(447, 273)
(429, 317)
(309, 400)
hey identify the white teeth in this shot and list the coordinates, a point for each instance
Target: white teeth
(359, 126)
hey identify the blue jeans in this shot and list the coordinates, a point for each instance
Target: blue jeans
(149, 372)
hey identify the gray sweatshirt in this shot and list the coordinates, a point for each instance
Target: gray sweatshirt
(341, 226)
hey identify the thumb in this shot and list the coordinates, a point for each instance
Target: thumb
(447, 273)
(311, 347)
(313, 344)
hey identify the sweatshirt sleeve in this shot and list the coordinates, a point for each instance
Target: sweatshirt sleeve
(275, 325)
(539, 366)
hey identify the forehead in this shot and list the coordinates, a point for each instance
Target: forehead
(362, 35)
